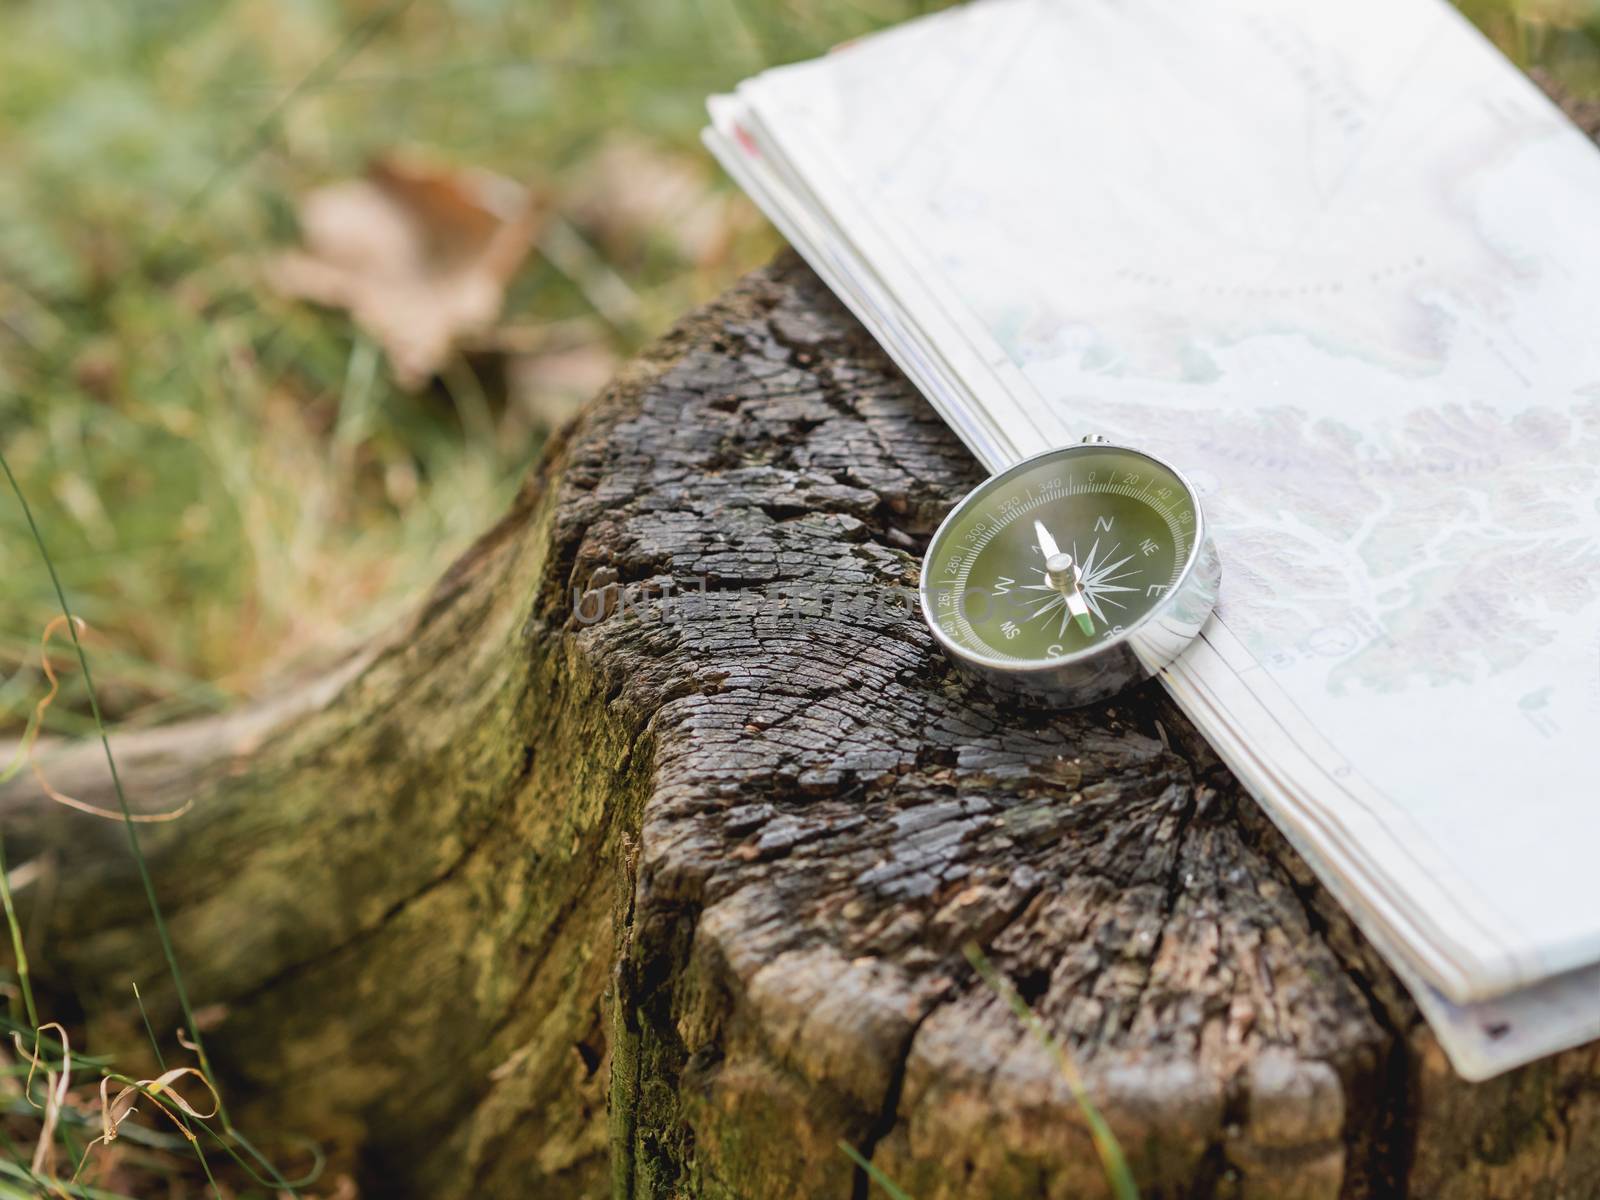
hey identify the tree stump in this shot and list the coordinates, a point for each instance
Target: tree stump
(633, 865)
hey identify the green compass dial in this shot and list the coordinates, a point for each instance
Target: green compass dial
(1059, 555)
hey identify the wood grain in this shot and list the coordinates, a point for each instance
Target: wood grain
(642, 859)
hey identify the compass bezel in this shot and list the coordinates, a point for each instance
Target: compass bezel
(1114, 662)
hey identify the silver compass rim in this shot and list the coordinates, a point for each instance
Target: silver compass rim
(1197, 587)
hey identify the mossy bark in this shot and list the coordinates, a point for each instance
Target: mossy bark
(632, 866)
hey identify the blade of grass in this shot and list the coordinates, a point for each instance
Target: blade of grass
(874, 1173)
(24, 979)
(155, 1044)
(1112, 1160)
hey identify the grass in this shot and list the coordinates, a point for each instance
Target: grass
(231, 482)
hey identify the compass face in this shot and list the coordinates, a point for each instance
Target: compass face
(1063, 554)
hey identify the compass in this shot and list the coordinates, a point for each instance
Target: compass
(1073, 574)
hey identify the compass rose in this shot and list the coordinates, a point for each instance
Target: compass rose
(1098, 576)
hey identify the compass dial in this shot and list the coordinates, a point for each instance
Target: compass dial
(1060, 556)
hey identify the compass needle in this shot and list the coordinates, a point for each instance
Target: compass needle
(1047, 544)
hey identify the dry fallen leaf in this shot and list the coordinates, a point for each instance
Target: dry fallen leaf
(631, 192)
(419, 255)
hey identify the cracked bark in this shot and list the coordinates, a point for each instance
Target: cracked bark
(671, 901)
